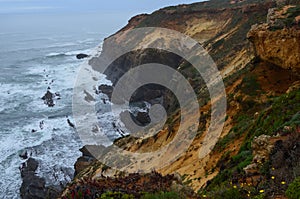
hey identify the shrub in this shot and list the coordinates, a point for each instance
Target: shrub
(230, 193)
(112, 195)
(161, 195)
(293, 191)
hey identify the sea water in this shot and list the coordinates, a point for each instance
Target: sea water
(33, 62)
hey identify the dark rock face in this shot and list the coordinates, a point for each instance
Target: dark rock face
(107, 90)
(32, 185)
(81, 56)
(29, 167)
(285, 160)
(150, 92)
(143, 118)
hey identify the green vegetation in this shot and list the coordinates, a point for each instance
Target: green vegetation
(281, 115)
(120, 195)
(114, 195)
(283, 111)
(250, 86)
(293, 191)
(214, 4)
(228, 194)
(162, 195)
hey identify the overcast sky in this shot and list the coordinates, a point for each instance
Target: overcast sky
(70, 15)
(54, 6)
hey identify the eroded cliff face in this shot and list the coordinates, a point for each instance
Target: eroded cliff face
(255, 88)
(220, 26)
(275, 44)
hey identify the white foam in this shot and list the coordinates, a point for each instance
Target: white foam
(56, 144)
(70, 53)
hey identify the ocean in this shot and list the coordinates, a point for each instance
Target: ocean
(31, 63)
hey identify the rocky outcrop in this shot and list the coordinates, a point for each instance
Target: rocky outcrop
(278, 41)
(285, 159)
(280, 47)
(261, 147)
(123, 64)
(34, 186)
(143, 118)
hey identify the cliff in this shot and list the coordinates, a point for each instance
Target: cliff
(257, 154)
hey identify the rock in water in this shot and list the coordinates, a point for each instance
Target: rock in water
(70, 123)
(81, 56)
(106, 89)
(32, 185)
(48, 99)
(24, 155)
